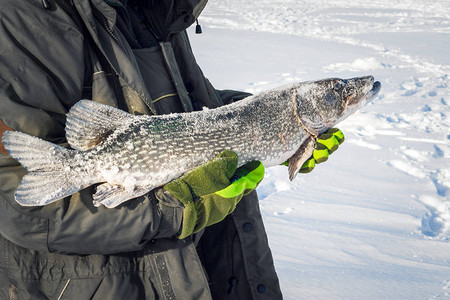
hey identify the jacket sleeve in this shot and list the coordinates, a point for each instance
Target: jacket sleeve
(41, 77)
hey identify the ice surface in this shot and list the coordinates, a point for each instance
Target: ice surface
(373, 221)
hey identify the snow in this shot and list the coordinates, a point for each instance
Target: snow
(373, 222)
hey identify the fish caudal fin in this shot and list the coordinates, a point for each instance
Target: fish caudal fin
(89, 122)
(49, 178)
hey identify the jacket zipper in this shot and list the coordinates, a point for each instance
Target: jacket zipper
(123, 5)
(150, 29)
(12, 292)
(170, 12)
(105, 25)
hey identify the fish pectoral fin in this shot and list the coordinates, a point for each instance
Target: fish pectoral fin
(111, 195)
(300, 156)
(88, 123)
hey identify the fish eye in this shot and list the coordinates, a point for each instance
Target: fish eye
(339, 85)
(330, 99)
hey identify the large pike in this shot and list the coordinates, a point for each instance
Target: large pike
(131, 155)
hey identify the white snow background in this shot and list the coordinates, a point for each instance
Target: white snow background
(373, 222)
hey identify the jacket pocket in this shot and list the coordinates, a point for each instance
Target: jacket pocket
(158, 80)
(84, 288)
(112, 286)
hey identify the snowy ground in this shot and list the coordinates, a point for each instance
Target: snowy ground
(374, 221)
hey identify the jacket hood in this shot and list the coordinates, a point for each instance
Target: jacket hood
(183, 13)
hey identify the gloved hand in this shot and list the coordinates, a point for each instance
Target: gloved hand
(326, 144)
(211, 192)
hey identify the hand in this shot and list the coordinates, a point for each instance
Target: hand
(211, 192)
(326, 144)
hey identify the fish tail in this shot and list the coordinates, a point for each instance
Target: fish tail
(49, 176)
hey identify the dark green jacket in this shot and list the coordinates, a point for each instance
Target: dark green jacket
(50, 59)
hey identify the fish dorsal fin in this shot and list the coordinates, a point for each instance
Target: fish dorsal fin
(89, 122)
(300, 156)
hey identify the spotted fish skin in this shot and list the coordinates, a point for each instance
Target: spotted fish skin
(131, 155)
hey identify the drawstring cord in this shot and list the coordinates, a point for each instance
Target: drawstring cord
(46, 4)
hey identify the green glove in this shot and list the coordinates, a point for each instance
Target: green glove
(211, 192)
(326, 144)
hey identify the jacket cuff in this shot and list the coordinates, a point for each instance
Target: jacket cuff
(171, 210)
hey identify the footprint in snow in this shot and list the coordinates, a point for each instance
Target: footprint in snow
(410, 87)
(437, 221)
(413, 165)
(438, 152)
(414, 155)
(439, 180)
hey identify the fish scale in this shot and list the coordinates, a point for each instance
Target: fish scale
(131, 155)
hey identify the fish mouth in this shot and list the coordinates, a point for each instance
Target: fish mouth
(374, 91)
(372, 88)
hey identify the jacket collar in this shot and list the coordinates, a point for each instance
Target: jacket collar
(188, 11)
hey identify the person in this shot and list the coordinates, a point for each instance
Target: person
(180, 241)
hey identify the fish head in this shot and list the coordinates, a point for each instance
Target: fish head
(322, 104)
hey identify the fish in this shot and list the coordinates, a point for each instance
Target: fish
(127, 155)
